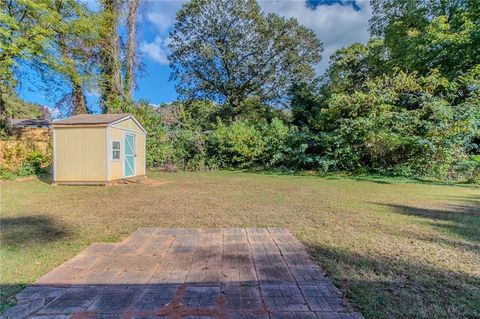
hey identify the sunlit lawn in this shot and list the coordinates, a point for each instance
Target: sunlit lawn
(397, 249)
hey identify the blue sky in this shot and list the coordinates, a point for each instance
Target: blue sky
(337, 23)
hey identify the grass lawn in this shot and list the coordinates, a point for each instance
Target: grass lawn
(396, 249)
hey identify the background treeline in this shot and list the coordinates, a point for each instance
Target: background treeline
(407, 103)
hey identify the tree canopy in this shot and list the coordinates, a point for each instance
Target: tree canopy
(71, 48)
(228, 51)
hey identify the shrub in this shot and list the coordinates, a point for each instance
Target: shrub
(239, 145)
(23, 158)
(467, 170)
(401, 124)
(245, 144)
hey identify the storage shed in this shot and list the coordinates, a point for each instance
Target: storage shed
(97, 149)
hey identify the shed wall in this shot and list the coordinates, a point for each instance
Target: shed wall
(116, 166)
(140, 159)
(128, 124)
(80, 154)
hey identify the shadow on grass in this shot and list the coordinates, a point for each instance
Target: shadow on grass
(384, 287)
(471, 200)
(459, 220)
(458, 244)
(20, 231)
(378, 179)
(45, 176)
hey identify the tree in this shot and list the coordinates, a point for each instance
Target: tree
(306, 104)
(110, 77)
(228, 51)
(131, 49)
(76, 41)
(402, 124)
(18, 108)
(54, 38)
(425, 35)
(24, 35)
(352, 66)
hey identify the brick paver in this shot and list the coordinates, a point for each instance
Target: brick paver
(188, 273)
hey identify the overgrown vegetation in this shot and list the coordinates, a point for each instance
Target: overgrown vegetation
(23, 158)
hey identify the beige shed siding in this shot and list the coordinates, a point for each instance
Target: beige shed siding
(128, 124)
(116, 166)
(140, 151)
(80, 154)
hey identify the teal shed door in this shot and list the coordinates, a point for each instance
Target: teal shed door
(129, 164)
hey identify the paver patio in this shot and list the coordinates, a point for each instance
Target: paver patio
(187, 273)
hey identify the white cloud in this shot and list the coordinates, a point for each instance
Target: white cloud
(54, 112)
(162, 14)
(93, 92)
(156, 50)
(336, 25)
(162, 20)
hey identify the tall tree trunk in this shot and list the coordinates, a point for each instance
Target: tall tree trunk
(78, 97)
(4, 120)
(111, 87)
(131, 49)
(80, 105)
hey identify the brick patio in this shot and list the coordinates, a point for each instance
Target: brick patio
(187, 273)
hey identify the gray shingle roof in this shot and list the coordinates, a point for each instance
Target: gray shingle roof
(29, 122)
(91, 119)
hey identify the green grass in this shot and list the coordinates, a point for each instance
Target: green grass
(396, 249)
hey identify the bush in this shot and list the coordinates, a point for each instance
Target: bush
(402, 125)
(358, 133)
(245, 144)
(23, 158)
(239, 145)
(467, 170)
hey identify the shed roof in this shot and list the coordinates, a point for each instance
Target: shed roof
(91, 119)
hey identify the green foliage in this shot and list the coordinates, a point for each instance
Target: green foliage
(15, 107)
(23, 158)
(246, 144)
(425, 35)
(352, 66)
(25, 30)
(238, 145)
(405, 104)
(175, 140)
(401, 125)
(109, 78)
(157, 143)
(215, 53)
(57, 39)
(305, 104)
(184, 136)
